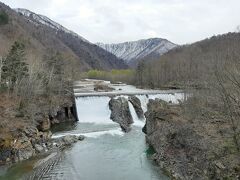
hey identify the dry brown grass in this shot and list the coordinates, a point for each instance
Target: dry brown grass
(9, 123)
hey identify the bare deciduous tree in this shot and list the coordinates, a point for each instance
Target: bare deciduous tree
(1, 65)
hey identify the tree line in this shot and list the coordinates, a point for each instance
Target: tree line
(114, 75)
(27, 81)
(211, 66)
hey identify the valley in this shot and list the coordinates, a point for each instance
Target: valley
(139, 109)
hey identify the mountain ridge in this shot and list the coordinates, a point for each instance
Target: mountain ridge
(134, 51)
(47, 21)
(44, 37)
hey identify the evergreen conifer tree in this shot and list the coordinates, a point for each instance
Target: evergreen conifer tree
(14, 66)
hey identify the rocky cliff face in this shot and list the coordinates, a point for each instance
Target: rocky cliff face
(25, 133)
(22, 144)
(30, 142)
(135, 51)
(187, 149)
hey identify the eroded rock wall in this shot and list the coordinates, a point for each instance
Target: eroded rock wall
(187, 149)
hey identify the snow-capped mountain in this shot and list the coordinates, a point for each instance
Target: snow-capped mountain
(137, 50)
(41, 19)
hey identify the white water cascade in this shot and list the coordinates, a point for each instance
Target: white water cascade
(94, 119)
(137, 122)
(94, 110)
(94, 115)
(171, 97)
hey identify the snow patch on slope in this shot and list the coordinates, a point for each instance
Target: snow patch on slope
(41, 19)
(129, 51)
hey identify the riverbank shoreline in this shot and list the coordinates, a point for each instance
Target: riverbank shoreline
(189, 149)
(26, 132)
(63, 112)
(35, 166)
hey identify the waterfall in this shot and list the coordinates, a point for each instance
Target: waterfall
(94, 134)
(136, 120)
(94, 110)
(144, 101)
(171, 97)
(94, 119)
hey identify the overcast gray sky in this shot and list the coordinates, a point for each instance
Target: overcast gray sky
(113, 21)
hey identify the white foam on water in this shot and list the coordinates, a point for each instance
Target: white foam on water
(96, 134)
(144, 101)
(94, 110)
(137, 122)
(173, 97)
(122, 96)
(113, 132)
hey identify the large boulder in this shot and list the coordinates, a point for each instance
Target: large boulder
(70, 139)
(64, 141)
(5, 149)
(22, 144)
(22, 148)
(121, 113)
(39, 148)
(137, 106)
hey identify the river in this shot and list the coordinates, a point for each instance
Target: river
(107, 153)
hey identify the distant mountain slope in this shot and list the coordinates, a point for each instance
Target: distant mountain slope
(92, 54)
(43, 36)
(46, 21)
(132, 52)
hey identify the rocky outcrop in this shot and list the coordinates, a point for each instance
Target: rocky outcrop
(43, 122)
(45, 117)
(26, 132)
(182, 148)
(63, 113)
(137, 106)
(30, 142)
(121, 113)
(65, 141)
(20, 146)
(101, 87)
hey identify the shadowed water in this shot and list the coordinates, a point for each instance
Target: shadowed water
(107, 157)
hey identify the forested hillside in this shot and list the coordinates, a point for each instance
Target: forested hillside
(38, 64)
(42, 40)
(209, 71)
(191, 65)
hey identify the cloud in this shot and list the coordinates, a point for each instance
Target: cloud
(181, 21)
